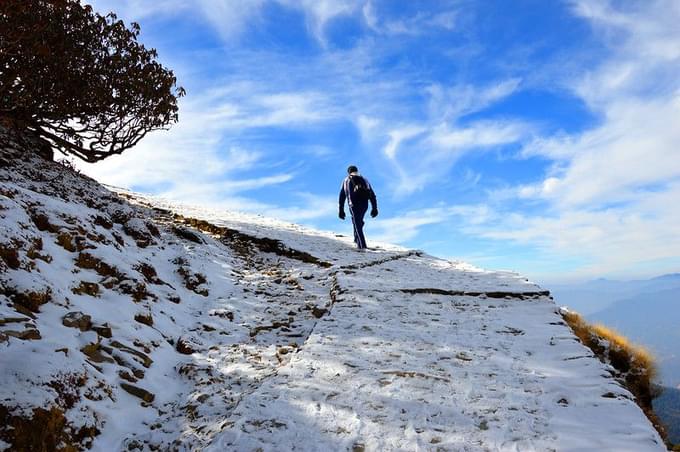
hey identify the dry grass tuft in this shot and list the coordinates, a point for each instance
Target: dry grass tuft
(635, 364)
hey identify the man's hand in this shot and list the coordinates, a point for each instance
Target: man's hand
(341, 214)
(374, 212)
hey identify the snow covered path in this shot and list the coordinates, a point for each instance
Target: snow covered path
(394, 367)
(129, 323)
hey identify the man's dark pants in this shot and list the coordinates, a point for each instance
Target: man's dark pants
(357, 212)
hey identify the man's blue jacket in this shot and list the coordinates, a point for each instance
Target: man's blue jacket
(354, 199)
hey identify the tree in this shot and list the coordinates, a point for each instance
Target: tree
(79, 80)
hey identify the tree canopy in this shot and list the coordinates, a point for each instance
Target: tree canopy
(79, 80)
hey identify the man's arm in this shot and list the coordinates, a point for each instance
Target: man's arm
(341, 201)
(373, 199)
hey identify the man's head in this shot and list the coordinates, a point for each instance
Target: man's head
(352, 169)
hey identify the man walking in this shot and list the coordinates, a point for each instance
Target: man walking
(358, 192)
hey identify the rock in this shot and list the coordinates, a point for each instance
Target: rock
(32, 300)
(148, 272)
(88, 261)
(184, 346)
(102, 330)
(318, 312)
(88, 288)
(152, 229)
(125, 375)
(144, 359)
(187, 234)
(65, 240)
(78, 320)
(33, 252)
(121, 215)
(103, 222)
(10, 255)
(42, 222)
(43, 430)
(136, 391)
(117, 237)
(145, 318)
(137, 290)
(174, 299)
(23, 310)
(139, 230)
(8, 320)
(93, 351)
(27, 334)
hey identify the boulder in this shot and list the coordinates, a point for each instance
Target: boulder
(102, 330)
(88, 288)
(136, 391)
(185, 347)
(77, 319)
(26, 335)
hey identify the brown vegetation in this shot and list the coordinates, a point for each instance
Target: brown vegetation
(635, 365)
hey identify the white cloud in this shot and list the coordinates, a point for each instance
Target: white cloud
(309, 207)
(611, 195)
(233, 105)
(451, 103)
(319, 12)
(396, 136)
(191, 162)
(418, 24)
(404, 227)
(136, 10)
(480, 134)
(230, 17)
(421, 152)
(370, 15)
(634, 150)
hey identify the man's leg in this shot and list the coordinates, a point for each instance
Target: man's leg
(357, 213)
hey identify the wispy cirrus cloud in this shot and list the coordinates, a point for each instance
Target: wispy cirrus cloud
(418, 24)
(426, 94)
(611, 192)
(421, 152)
(231, 18)
(404, 227)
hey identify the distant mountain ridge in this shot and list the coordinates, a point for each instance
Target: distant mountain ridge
(598, 294)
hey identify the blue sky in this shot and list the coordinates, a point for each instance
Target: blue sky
(537, 136)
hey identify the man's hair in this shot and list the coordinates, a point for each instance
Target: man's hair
(352, 169)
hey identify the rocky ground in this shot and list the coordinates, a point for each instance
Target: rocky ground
(129, 323)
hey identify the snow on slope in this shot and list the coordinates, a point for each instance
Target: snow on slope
(222, 331)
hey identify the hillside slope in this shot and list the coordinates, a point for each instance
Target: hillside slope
(130, 324)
